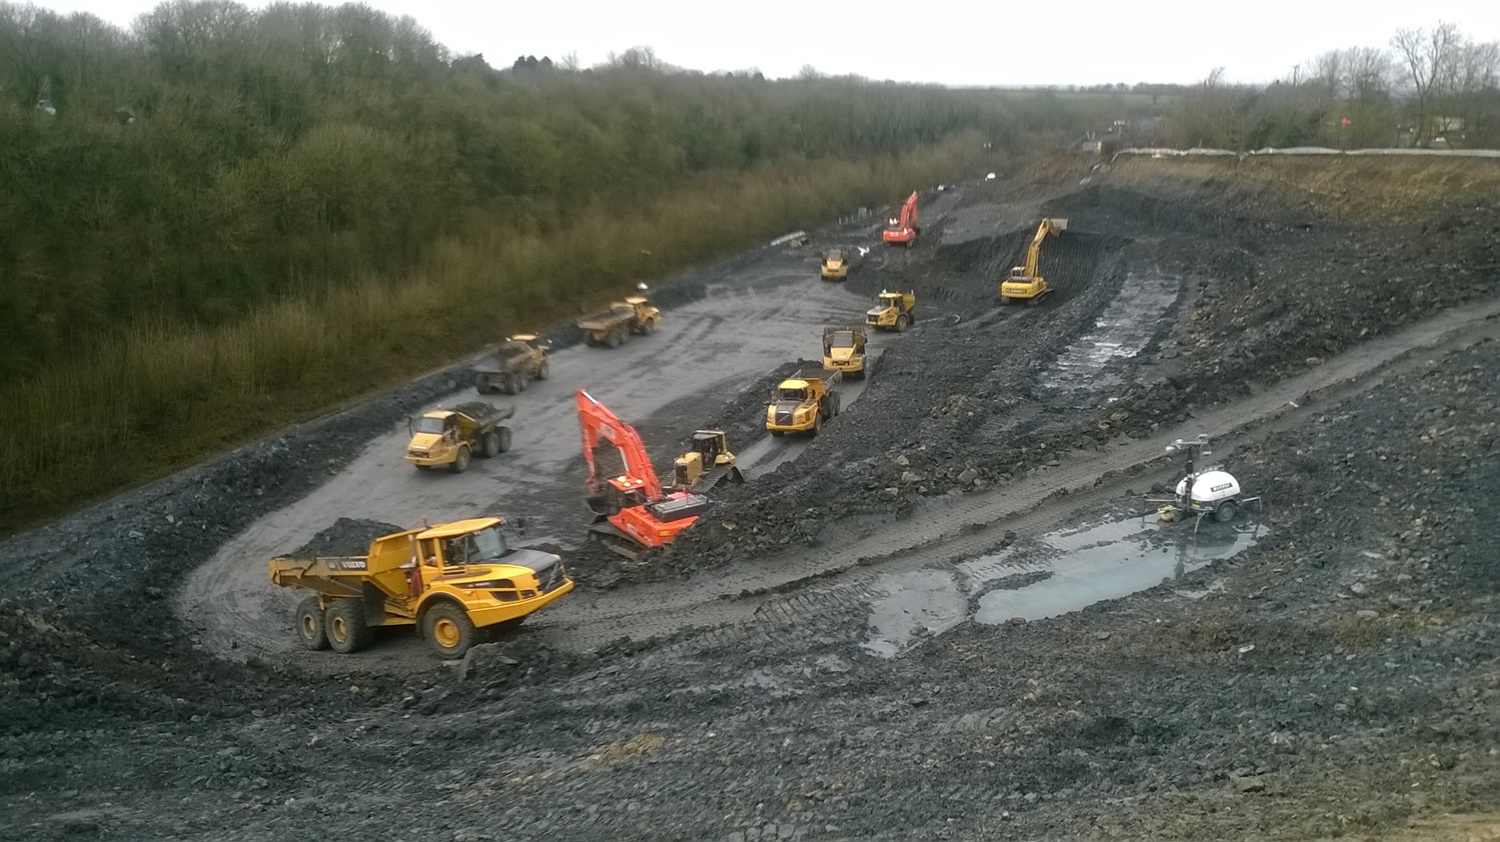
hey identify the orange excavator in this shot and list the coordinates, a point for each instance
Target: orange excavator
(903, 231)
(633, 516)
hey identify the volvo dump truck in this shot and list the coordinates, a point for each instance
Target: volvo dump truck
(613, 327)
(844, 350)
(804, 402)
(708, 466)
(894, 311)
(835, 266)
(453, 437)
(903, 230)
(1025, 283)
(453, 581)
(519, 360)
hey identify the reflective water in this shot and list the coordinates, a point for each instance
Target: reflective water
(1059, 573)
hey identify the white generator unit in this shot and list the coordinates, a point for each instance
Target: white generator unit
(1213, 492)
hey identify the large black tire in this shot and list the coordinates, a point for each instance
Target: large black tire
(615, 340)
(311, 628)
(504, 435)
(347, 632)
(489, 446)
(838, 405)
(901, 322)
(448, 630)
(649, 327)
(1225, 512)
(521, 380)
(543, 369)
(510, 384)
(817, 426)
(483, 386)
(461, 460)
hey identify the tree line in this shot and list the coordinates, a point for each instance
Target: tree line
(212, 157)
(1426, 88)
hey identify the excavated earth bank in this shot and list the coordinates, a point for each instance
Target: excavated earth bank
(1337, 678)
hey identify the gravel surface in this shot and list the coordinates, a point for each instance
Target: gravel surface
(1337, 678)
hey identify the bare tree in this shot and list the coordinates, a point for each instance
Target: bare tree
(1428, 58)
(1369, 74)
(1329, 72)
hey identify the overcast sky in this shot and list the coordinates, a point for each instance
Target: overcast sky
(954, 42)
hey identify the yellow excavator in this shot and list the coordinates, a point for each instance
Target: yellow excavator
(1024, 283)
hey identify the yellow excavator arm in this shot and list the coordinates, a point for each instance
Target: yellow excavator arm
(1049, 226)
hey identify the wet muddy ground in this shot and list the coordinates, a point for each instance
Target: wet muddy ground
(946, 617)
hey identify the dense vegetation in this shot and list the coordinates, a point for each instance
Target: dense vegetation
(224, 219)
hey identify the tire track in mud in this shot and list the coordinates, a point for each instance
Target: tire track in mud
(975, 524)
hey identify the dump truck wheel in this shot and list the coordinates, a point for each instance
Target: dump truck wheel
(510, 384)
(448, 630)
(461, 459)
(520, 382)
(901, 322)
(817, 426)
(648, 328)
(347, 632)
(543, 370)
(483, 386)
(310, 624)
(489, 446)
(1225, 512)
(838, 406)
(504, 435)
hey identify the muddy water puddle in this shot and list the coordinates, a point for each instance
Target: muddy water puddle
(1056, 574)
(1125, 328)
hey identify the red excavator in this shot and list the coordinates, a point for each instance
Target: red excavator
(903, 231)
(633, 515)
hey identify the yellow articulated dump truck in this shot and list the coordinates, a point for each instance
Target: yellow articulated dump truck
(613, 327)
(453, 437)
(835, 266)
(844, 350)
(893, 311)
(803, 402)
(453, 581)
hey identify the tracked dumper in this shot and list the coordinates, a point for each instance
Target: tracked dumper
(453, 581)
(804, 402)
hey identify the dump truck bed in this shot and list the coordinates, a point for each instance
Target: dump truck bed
(486, 414)
(831, 376)
(606, 319)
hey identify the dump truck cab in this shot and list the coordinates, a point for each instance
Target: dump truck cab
(451, 580)
(893, 311)
(803, 402)
(835, 266)
(643, 312)
(844, 350)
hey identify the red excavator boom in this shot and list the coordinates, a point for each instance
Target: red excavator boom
(599, 423)
(903, 231)
(631, 507)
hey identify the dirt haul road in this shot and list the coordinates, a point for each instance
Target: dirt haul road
(664, 384)
(943, 618)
